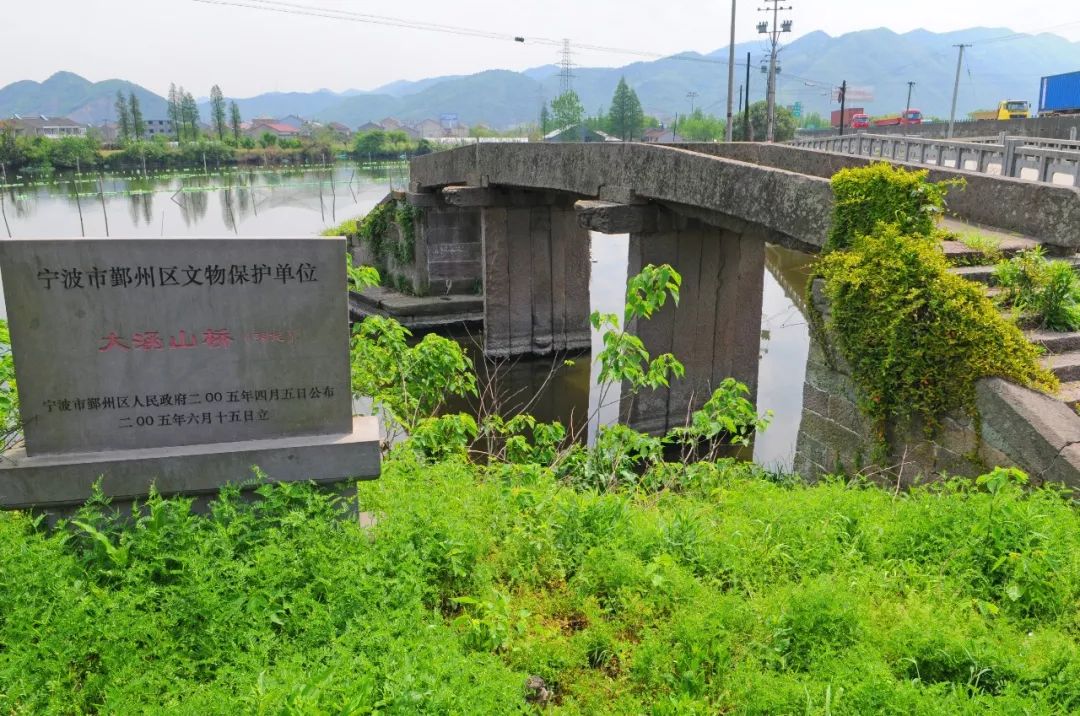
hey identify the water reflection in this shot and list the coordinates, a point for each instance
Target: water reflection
(302, 202)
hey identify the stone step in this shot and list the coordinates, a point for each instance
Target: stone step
(985, 274)
(1066, 366)
(1055, 342)
(958, 252)
(1070, 393)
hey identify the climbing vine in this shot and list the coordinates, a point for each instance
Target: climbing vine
(881, 193)
(916, 337)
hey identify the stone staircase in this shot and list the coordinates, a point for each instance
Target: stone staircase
(1062, 355)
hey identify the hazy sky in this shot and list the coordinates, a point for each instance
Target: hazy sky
(248, 51)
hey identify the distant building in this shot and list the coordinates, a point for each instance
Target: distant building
(370, 127)
(48, 127)
(432, 129)
(260, 127)
(660, 135)
(293, 121)
(579, 133)
(155, 127)
(389, 123)
(340, 131)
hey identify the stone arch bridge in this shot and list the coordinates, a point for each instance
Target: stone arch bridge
(519, 218)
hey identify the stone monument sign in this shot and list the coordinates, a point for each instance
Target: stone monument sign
(155, 353)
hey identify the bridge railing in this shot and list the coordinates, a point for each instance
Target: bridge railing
(1052, 161)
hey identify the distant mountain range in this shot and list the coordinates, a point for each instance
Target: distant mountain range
(1000, 65)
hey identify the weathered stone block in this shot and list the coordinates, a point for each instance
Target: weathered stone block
(815, 400)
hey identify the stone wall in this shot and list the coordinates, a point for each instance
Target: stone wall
(1019, 427)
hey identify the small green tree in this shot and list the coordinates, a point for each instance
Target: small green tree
(567, 110)
(138, 124)
(545, 119)
(626, 116)
(123, 117)
(234, 120)
(701, 127)
(782, 132)
(217, 111)
(370, 144)
(267, 140)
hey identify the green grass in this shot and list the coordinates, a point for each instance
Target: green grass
(734, 594)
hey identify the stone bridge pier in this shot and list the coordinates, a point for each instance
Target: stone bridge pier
(715, 330)
(533, 257)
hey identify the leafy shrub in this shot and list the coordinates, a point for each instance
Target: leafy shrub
(916, 337)
(881, 193)
(411, 382)
(1043, 293)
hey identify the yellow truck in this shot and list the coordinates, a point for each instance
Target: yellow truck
(1006, 109)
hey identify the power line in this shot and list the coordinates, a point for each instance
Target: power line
(296, 9)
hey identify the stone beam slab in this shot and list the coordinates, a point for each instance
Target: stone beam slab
(609, 217)
(479, 197)
(787, 202)
(58, 480)
(424, 199)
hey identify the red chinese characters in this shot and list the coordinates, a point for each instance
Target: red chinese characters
(149, 341)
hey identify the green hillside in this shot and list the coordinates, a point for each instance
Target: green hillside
(1000, 65)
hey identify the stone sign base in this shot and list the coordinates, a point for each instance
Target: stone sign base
(47, 481)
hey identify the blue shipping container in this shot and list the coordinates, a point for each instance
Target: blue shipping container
(1060, 93)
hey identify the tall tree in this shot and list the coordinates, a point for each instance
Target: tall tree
(123, 117)
(545, 119)
(189, 114)
(174, 109)
(567, 110)
(217, 111)
(138, 124)
(234, 120)
(626, 116)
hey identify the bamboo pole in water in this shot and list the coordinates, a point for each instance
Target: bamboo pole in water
(101, 193)
(4, 212)
(78, 204)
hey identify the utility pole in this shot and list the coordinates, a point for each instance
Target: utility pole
(774, 46)
(910, 86)
(691, 95)
(956, 88)
(746, 106)
(843, 102)
(730, 74)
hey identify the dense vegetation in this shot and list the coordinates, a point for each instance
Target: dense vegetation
(730, 593)
(916, 337)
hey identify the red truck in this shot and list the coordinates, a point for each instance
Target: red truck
(849, 113)
(908, 116)
(860, 121)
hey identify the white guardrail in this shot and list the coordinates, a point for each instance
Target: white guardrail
(1051, 161)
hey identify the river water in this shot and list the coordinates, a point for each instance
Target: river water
(304, 201)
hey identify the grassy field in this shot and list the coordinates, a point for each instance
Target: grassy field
(731, 594)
